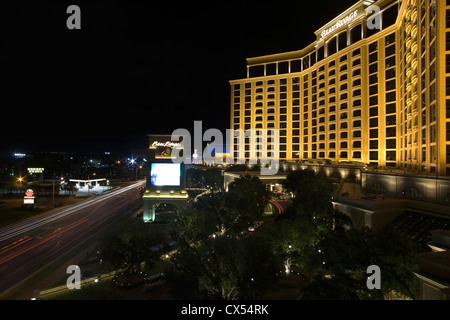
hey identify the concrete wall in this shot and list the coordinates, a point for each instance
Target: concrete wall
(430, 189)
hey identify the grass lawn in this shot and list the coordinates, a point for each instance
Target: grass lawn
(11, 211)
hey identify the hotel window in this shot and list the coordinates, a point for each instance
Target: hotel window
(373, 144)
(391, 132)
(357, 154)
(390, 73)
(389, 16)
(391, 143)
(332, 49)
(373, 111)
(447, 41)
(373, 133)
(390, 96)
(390, 85)
(373, 68)
(390, 62)
(256, 71)
(391, 155)
(389, 50)
(320, 53)
(391, 120)
(390, 38)
(373, 122)
(356, 144)
(447, 131)
(271, 69)
(373, 155)
(356, 34)
(296, 65)
(283, 67)
(342, 40)
(448, 157)
(357, 93)
(390, 108)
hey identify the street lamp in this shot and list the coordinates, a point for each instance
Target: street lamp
(20, 182)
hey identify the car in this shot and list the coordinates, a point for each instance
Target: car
(255, 226)
(155, 281)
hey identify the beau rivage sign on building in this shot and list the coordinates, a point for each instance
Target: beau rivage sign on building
(351, 15)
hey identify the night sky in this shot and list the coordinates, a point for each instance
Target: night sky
(134, 67)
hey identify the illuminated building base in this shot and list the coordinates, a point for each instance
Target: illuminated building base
(151, 199)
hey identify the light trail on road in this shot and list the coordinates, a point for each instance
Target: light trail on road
(38, 221)
(34, 244)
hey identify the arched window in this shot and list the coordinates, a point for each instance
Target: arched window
(331, 46)
(446, 198)
(320, 53)
(356, 34)
(342, 40)
(412, 192)
(378, 188)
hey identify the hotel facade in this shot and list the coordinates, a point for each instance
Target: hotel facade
(374, 88)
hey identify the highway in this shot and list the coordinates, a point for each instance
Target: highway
(29, 246)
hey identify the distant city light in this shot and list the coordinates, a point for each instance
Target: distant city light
(19, 155)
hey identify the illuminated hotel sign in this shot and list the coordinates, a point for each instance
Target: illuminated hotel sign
(339, 24)
(345, 18)
(166, 144)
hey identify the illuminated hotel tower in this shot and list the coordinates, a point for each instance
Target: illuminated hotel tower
(378, 96)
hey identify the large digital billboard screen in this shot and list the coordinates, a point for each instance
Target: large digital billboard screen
(165, 174)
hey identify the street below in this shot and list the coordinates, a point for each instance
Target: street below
(29, 246)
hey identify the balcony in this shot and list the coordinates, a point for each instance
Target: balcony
(414, 46)
(408, 42)
(414, 13)
(408, 25)
(408, 56)
(414, 30)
